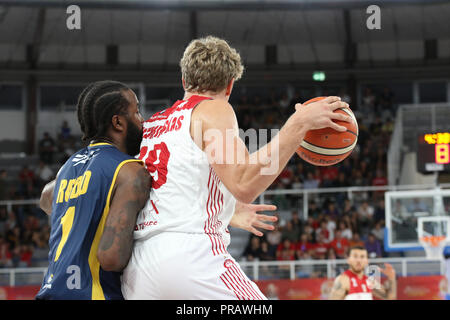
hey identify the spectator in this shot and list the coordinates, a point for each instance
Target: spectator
(274, 238)
(290, 233)
(345, 230)
(253, 249)
(27, 182)
(11, 222)
(356, 241)
(331, 225)
(323, 232)
(13, 237)
(65, 131)
(304, 248)
(265, 254)
(286, 250)
(365, 211)
(379, 180)
(46, 148)
(378, 231)
(286, 176)
(332, 211)
(296, 222)
(311, 182)
(373, 247)
(320, 248)
(5, 254)
(26, 253)
(379, 211)
(368, 105)
(313, 210)
(339, 245)
(310, 232)
(348, 207)
(328, 175)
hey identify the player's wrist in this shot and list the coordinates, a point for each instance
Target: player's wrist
(297, 126)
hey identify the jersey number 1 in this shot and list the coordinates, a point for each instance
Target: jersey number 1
(66, 222)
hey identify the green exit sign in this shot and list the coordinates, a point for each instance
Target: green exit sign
(319, 76)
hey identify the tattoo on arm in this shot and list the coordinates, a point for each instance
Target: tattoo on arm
(117, 238)
(338, 291)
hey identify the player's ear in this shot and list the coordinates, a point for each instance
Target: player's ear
(184, 83)
(229, 88)
(118, 122)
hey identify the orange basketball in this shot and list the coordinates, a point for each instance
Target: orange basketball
(325, 147)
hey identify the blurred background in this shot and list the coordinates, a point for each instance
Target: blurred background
(391, 64)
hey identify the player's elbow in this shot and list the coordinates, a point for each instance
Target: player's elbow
(45, 203)
(110, 262)
(244, 194)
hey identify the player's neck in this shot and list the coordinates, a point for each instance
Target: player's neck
(119, 145)
(209, 94)
(358, 274)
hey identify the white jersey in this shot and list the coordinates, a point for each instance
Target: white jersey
(186, 196)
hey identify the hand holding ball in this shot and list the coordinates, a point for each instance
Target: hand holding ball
(327, 146)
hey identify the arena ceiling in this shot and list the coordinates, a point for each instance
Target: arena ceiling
(407, 20)
(308, 32)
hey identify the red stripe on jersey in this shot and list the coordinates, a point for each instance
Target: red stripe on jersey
(246, 282)
(227, 279)
(239, 283)
(207, 222)
(214, 212)
(228, 286)
(244, 295)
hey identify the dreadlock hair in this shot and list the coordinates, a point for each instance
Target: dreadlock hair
(97, 104)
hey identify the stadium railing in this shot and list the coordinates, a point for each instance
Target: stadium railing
(404, 267)
(350, 192)
(271, 270)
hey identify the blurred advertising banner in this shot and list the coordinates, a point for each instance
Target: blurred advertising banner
(19, 292)
(408, 288)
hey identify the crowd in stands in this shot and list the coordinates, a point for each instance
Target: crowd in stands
(25, 229)
(333, 224)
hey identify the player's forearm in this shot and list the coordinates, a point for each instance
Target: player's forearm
(391, 289)
(266, 164)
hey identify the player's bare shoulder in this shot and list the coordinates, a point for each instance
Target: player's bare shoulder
(209, 117)
(213, 110)
(340, 287)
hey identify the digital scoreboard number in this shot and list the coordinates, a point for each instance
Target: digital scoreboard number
(433, 152)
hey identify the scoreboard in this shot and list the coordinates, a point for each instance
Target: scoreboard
(433, 152)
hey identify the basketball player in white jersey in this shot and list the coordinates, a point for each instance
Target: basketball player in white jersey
(190, 150)
(353, 284)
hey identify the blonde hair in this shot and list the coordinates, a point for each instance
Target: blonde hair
(209, 64)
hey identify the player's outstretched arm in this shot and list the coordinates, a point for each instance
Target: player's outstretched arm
(214, 128)
(387, 290)
(129, 196)
(246, 217)
(340, 288)
(46, 200)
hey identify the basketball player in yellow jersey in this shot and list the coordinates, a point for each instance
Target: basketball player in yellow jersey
(353, 284)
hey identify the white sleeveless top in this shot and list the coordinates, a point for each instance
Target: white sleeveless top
(186, 196)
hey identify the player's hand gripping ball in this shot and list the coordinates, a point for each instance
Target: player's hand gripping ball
(326, 147)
